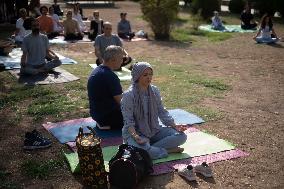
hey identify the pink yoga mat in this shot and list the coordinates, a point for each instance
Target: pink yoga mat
(168, 167)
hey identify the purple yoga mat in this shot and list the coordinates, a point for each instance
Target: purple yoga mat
(171, 166)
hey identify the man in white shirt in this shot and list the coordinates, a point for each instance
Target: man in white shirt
(20, 30)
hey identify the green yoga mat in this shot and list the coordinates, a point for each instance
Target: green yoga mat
(197, 144)
(229, 28)
(73, 160)
(123, 75)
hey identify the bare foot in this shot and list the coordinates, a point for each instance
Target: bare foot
(175, 150)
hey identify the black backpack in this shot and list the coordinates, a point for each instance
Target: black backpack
(129, 166)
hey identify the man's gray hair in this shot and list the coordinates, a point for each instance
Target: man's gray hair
(111, 52)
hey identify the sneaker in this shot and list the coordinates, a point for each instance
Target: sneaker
(204, 170)
(34, 140)
(187, 173)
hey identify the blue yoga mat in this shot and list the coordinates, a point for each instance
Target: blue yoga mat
(68, 133)
(183, 117)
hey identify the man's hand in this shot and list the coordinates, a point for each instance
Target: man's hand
(56, 57)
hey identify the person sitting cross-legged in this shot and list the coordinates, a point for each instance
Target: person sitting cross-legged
(56, 8)
(57, 26)
(96, 26)
(106, 39)
(266, 32)
(104, 90)
(141, 107)
(217, 22)
(46, 22)
(20, 29)
(71, 28)
(124, 28)
(35, 49)
(247, 22)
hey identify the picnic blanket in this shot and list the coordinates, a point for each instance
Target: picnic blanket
(229, 28)
(123, 75)
(59, 75)
(13, 60)
(199, 147)
(67, 131)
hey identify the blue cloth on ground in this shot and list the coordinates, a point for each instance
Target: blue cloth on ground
(183, 117)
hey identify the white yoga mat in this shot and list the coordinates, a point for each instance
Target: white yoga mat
(13, 60)
(123, 75)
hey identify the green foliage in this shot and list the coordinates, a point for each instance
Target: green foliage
(236, 6)
(36, 169)
(5, 183)
(206, 7)
(270, 7)
(160, 14)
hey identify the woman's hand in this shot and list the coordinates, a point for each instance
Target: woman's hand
(180, 127)
(140, 140)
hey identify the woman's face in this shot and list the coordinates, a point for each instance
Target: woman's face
(146, 77)
(266, 20)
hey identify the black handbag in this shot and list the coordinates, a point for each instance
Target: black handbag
(129, 166)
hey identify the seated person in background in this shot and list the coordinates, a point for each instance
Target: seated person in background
(141, 106)
(106, 39)
(57, 9)
(266, 33)
(96, 26)
(217, 22)
(80, 10)
(20, 30)
(71, 28)
(247, 22)
(104, 90)
(124, 28)
(46, 23)
(57, 26)
(35, 49)
(6, 47)
(78, 17)
(34, 8)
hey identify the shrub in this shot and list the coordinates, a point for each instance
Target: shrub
(160, 14)
(206, 7)
(236, 6)
(264, 6)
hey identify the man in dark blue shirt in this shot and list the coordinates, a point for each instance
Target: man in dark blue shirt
(104, 90)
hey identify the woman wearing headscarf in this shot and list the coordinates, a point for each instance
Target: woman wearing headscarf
(141, 106)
